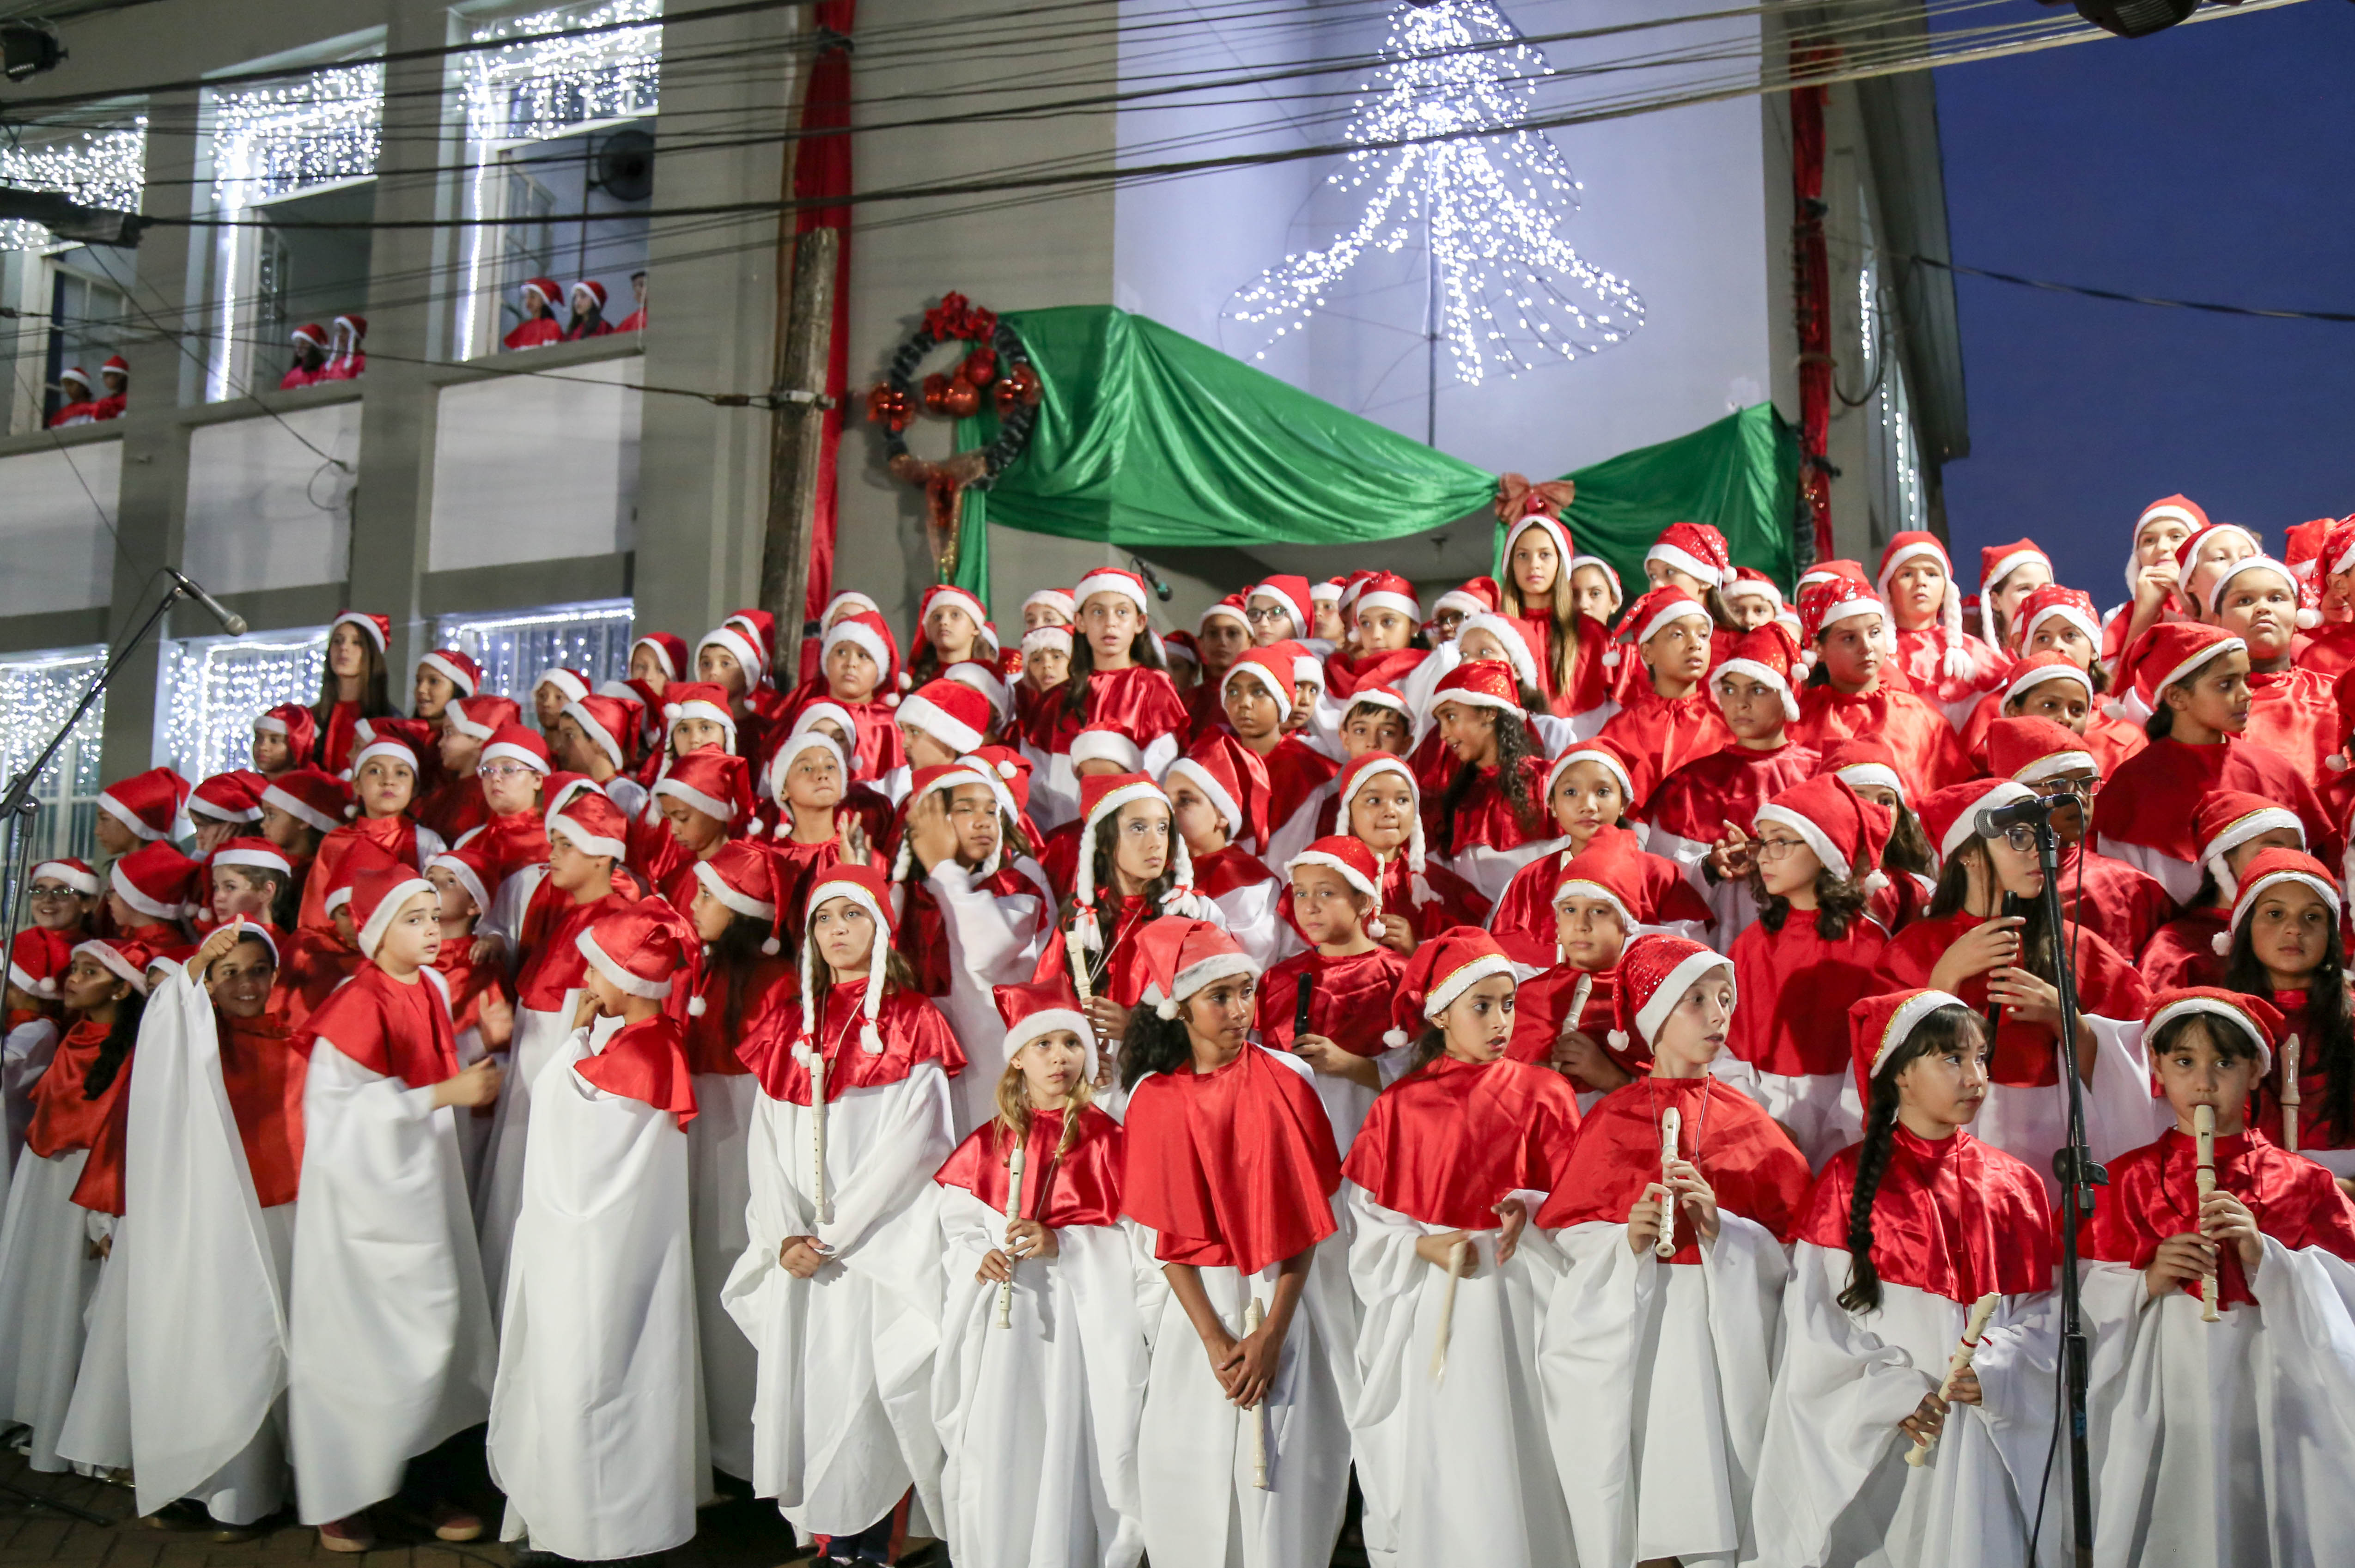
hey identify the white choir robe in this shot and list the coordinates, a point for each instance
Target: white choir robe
(842, 1419)
(1834, 1488)
(1823, 1112)
(993, 941)
(96, 1436)
(2030, 1121)
(475, 1131)
(1453, 1468)
(718, 1185)
(596, 1423)
(1038, 1420)
(1634, 1349)
(390, 1348)
(539, 1037)
(47, 1274)
(26, 1054)
(2224, 1444)
(1194, 1451)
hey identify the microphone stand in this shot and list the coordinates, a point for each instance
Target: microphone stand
(17, 808)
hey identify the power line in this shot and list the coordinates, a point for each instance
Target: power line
(2123, 297)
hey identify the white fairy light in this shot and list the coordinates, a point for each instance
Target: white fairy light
(36, 694)
(534, 90)
(216, 687)
(1510, 291)
(515, 650)
(97, 168)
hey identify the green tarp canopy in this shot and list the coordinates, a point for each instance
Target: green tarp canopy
(1148, 440)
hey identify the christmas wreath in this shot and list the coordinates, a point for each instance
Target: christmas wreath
(997, 367)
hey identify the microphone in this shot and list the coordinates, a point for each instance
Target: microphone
(234, 624)
(1160, 589)
(2010, 908)
(1996, 821)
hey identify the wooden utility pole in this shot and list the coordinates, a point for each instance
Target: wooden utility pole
(796, 420)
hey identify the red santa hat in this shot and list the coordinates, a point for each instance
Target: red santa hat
(1441, 970)
(1112, 580)
(1231, 608)
(1538, 515)
(455, 668)
(1842, 829)
(469, 866)
(480, 717)
(1106, 744)
(37, 959)
(593, 825)
(1291, 593)
(638, 948)
(2169, 508)
(1353, 861)
(377, 895)
(1058, 600)
(571, 683)
(2168, 652)
(610, 723)
(1657, 610)
(2272, 869)
(944, 593)
(1388, 591)
(1766, 655)
(123, 959)
(2307, 619)
(297, 723)
(1181, 956)
(1998, 561)
(983, 678)
(1914, 545)
(1328, 591)
(596, 292)
(1361, 770)
(1829, 603)
(1481, 683)
(1619, 594)
(260, 854)
(2030, 750)
(950, 711)
(1865, 764)
(750, 881)
(1696, 550)
(311, 333)
(1878, 1025)
(1387, 697)
(400, 741)
(1950, 816)
(1749, 582)
(310, 796)
(377, 628)
(2188, 550)
(357, 324)
(2338, 553)
(2054, 601)
(2038, 669)
(74, 874)
(2260, 1021)
(1655, 972)
(232, 796)
(940, 778)
(1059, 638)
(867, 630)
(1604, 755)
(1835, 570)
(148, 803)
(1009, 772)
(716, 784)
(1271, 667)
(1232, 778)
(513, 744)
(1177, 647)
(1034, 1012)
(684, 699)
(1611, 869)
(864, 886)
(780, 765)
(1101, 798)
(1473, 597)
(78, 375)
(669, 651)
(549, 290)
(559, 790)
(2228, 818)
(1509, 633)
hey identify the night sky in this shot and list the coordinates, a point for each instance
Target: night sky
(2210, 162)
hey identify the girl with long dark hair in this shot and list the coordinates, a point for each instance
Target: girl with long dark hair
(2284, 945)
(1117, 677)
(353, 686)
(1491, 818)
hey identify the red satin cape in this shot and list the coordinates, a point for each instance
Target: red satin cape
(2154, 1194)
(1451, 1140)
(1953, 1217)
(912, 1030)
(1755, 1170)
(1235, 1169)
(1081, 1183)
(645, 1060)
(1794, 989)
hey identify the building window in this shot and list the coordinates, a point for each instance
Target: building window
(216, 687)
(517, 647)
(554, 129)
(37, 693)
(72, 295)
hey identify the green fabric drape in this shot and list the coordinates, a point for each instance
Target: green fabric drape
(972, 572)
(1740, 474)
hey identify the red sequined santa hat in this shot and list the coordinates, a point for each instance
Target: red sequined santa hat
(1827, 604)
(716, 784)
(1604, 755)
(1652, 615)
(1481, 683)
(700, 700)
(377, 895)
(1033, 1011)
(233, 797)
(983, 678)
(939, 779)
(125, 960)
(1233, 779)
(158, 881)
(1950, 816)
(1878, 1025)
(456, 669)
(870, 630)
(1696, 550)
(593, 825)
(638, 948)
(2228, 818)
(1509, 633)
(1914, 545)
(2307, 619)
(1361, 770)
(1271, 667)
(1845, 831)
(2269, 868)
(37, 959)
(750, 881)
(1106, 744)
(1998, 561)
(1291, 593)
(2055, 602)
(610, 723)
(1388, 591)
(1655, 972)
(297, 723)
(1181, 956)
(2338, 550)
(2030, 750)
(2258, 1019)
(1354, 863)
(865, 887)
(1766, 655)
(310, 796)
(1101, 799)
(1231, 608)
(148, 803)
(260, 854)
(1473, 597)
(670, 652)
(950, 711)
(470, 868)
(1838, 570)
(1442, 969)
(377, 628)
(2167, 653)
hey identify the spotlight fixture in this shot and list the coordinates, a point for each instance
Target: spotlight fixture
(29, 48)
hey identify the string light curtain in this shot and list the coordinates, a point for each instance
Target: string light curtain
(97, 168)
(36, 696)
(515, 650)
(216, 687)
(555, 86)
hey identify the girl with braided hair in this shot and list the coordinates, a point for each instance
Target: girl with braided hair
(1901, 1234)
(1491, 819)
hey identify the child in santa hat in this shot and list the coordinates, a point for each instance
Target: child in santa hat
(1671, 1217)
(2009, 573)
(1042, 1366)
(1378, 718)
(482, 1008)
(353, 683)
(253, 880)
(1326, 1005)
(2108, 896)
(1116, 678)
(1390, 641)
(1964, 943)
(1379, 802)
(48, 1264)
(705, 800)
(1901, 1235)
(1595, 589)
(456, 804)
(443, 675)
(1589, 789)
(149, 894)
(2056, 631)
(145, 808)
(2328, 646)
(1443, 1178)
(1490, 819)
(283, 739)
(1943, 662)
(1562, 1017)
(1809, 957)
(596, 735)
(2210, 1437)
(385, 772)
(840, 1283)
(1258, 697)
(2229, 828)
(1669, 716)
(820, 818)
(2285, 942)
(1844, 627)
(224, 805)
(861, 663)
(2154, 581)
(1217, 802)
(1046, 667)
(596, 1434)
(1537, 594)
(1907, 861)
(1205, 1107)
(2291, 709)
(384, 1366)
(2201, 558)
(949, 622)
